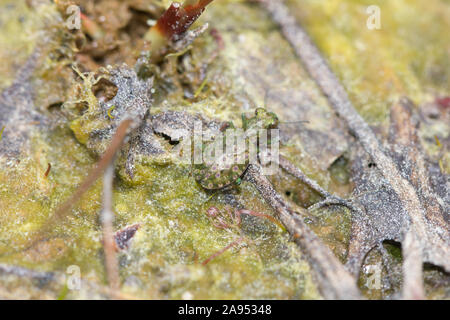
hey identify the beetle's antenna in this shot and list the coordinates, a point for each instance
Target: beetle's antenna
(295, 122)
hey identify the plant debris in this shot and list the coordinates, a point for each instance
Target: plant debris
(120, 97)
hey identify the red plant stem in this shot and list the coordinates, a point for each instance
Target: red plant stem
(258, 214)
(91, 27)
(48, 170)
(212, 212)
(177, 18)
(107, 220)
(221, 251)
(221, 225)
(218, 38)
(444, 102)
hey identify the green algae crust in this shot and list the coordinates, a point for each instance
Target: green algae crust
(164, 261)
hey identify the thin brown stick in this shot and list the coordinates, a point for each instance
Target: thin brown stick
(107, 219)
(330, 199)
(221, 251)
(48, 170)
(261, 215)
(107, 216)
(95, 173)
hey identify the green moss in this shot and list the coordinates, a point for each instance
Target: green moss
(15, 18)
(175, 236)
(30, 199)
(394, 250)
(405, 57)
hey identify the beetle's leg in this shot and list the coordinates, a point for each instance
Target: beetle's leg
(216, 220)
(329, 199)
(261, 215)
(218, 253)
(212, 212)
(237, 218)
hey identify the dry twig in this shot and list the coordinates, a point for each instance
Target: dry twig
(422, 242)
(334, 281)
(107, 219)
(95, 173)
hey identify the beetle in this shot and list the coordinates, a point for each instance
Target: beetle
(229, 167)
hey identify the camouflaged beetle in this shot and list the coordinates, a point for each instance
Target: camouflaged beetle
(230, 166)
